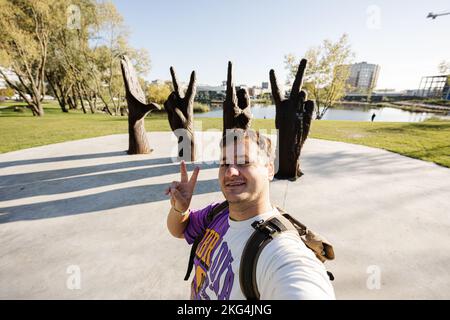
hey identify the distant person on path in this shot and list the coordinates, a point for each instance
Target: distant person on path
(373, 116)
(286, 268)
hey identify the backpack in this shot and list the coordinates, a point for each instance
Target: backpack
(266, 231)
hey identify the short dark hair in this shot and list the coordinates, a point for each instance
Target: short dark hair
(238, 135)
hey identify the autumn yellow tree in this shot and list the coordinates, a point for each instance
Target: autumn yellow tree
(158, 91)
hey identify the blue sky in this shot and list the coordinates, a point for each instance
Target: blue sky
(256, 34)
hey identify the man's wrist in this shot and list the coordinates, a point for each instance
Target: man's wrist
(181, 212)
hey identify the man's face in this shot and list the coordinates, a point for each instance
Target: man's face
(243, 176)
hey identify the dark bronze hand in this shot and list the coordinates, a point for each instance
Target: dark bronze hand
(180, 111)
(138, 109)
(236, 107)
(293, 121)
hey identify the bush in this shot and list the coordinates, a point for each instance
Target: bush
(201, 107)
(20, 109)
(6, 92)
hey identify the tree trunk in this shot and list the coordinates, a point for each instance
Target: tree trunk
(62, 104)
(70, 103)
(72, 99)
(80, 96)
(88, 97)
(105, 106)
(36, 109)
(59, 95)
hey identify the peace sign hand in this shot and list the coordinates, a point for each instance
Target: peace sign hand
(181, 191)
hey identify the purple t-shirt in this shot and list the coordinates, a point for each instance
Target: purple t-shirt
(210, 275)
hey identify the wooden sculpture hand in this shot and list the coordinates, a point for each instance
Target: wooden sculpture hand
(180, 111)
(236, 107)
(293, 121)
(138, 109)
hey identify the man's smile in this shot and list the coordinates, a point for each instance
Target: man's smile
(235, 183)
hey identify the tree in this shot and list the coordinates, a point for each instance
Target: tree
(158, 91)
(25, 27)
(104, 58)
(67, 69)
(327, 73)
(444, 67)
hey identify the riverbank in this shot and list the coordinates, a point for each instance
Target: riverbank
(427, 140)
(412, 105)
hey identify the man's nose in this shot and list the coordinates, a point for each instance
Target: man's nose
(232, 170)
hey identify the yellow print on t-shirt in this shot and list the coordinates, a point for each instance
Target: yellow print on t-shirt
(207, 245)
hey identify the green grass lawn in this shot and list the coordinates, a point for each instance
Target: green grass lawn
(429, 141)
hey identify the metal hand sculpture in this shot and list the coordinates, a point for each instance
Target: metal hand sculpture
(180, 111)
(138, 109)
(236, 107)
(293, 121)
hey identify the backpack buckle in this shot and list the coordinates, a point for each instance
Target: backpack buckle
(257, 224)
(265, 226)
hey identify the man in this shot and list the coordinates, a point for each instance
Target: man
(286, 268)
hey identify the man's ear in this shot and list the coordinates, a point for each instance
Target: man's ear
(271, 170)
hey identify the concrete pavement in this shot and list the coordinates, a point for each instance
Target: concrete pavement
(86, 207)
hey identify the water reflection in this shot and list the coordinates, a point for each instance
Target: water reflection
(354, 113)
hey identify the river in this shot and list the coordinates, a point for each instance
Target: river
(353, 113)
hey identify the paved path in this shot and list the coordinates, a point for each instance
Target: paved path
(87, 204)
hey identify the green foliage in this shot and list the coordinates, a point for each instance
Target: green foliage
(326, 73)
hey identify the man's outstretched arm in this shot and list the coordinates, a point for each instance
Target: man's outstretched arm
(180, 198)
(288, 270)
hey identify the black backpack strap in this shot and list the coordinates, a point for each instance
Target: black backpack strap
(209, 218)
(261, 237)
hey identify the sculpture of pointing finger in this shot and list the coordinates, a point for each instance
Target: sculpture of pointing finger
(293, 121)
(180, 111)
